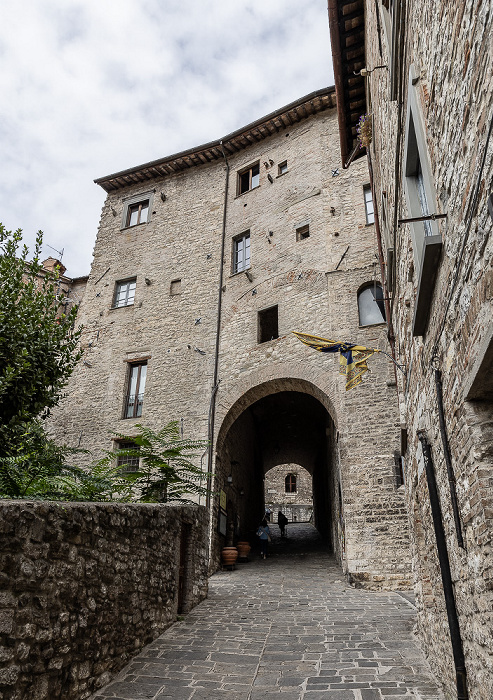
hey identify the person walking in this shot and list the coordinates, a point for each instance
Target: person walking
(282, 521)
(264, 533)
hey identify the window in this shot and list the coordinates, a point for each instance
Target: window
(268, 326)
(283, 168)
(371, 306)
(303, 232)
(370, 216)
(421, 200)
(249, 178)
(124, 293)
(241, 252)
(134, 398)
(136, 209)
(290, 483)
(175, 287)
(127, 463)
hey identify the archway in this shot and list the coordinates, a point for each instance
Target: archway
(277, 423)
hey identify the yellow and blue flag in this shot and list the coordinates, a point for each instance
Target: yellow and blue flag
(352, 358)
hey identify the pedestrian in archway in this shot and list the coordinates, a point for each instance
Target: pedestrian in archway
(282, 521)
(267, 514)
(264, 533)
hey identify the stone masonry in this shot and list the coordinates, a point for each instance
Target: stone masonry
(174, 258)
(297, 506)
(86, 586)
(431, 105)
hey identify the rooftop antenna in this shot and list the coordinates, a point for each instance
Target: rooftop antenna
(60, 252)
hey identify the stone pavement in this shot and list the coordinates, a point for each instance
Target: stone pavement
(288, 628)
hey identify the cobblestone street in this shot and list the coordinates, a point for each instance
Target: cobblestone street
(289, 628)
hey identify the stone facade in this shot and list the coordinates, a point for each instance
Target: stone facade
(86, 586)
(432, 153)
(296, 504)
(269, 401)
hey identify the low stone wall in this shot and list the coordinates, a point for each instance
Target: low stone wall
(85, 586)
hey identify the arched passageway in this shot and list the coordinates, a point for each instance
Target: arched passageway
(280, 428)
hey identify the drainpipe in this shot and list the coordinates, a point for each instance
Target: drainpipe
(448, 459)
(215, 381)
(378, 234)
(448, 589)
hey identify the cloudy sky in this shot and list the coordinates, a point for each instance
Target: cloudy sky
(91, 87)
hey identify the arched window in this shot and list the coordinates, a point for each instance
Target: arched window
(290, 483)
(371, 306)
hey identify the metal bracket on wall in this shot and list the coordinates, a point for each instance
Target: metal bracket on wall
(427, 217)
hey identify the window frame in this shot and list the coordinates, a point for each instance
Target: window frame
(127, 445)
(137, 396)
(241, 238)
(282, 168)
(368, 214)
(132, 202)
(302, 232)
(118, 285)
(371, 286)
(293, 482)
(249, 169)
(426, 238)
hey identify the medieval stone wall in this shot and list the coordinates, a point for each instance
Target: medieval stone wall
(86, 586)
(313, 281)
(447, 68)
(297, 505)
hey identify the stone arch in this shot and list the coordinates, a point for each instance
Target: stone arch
(245, 393)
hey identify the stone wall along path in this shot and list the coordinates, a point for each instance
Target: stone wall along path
(288, 628)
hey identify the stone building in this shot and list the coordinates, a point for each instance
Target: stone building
(288, 488)
(426, 79)
(205, 262)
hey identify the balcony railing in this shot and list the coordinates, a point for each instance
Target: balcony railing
(133, 406)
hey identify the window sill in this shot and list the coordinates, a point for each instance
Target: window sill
(282, 174)
(373, 325)
(372, 223)
(247, 192)
(128, 228)
(240, 272)
(119, 308)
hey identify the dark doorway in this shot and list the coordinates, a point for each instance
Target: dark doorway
(286, 427)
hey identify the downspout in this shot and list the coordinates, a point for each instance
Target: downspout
(448, 589)
(448, 459)
(215, 382)
(378, 234)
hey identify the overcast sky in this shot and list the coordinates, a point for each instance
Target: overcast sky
(92, 87)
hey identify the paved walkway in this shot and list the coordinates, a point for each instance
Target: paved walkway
(288, 628)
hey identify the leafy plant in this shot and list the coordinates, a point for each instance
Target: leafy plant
(35, 467)
(38, 343)
(167, 471)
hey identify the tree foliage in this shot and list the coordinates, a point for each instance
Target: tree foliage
(38, 343)
(167, 471)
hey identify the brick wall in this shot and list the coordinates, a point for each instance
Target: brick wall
(86, 586)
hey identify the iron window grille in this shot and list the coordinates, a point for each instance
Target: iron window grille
(127, 463)
(124, 293)
(134, 398)
(241, 252)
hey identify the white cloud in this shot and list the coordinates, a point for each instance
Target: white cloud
(89, 88)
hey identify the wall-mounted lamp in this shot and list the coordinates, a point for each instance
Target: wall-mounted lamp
(242, 492)
(229, 479)
(147, 281)
(163, 197)
(270, 178)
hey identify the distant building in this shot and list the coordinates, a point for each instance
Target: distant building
(426, 80)
(204, 264)
(288, 488)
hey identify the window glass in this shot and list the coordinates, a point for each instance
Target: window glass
(255, 176)
(136, 387)
(124, 293)
(370, 216)
(371, 305)
(249, 179)
(283, 167)
(241, 253)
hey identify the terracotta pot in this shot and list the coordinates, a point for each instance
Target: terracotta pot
(229, 555)
(243, 549)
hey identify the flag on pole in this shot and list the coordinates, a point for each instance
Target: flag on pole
(352, 358)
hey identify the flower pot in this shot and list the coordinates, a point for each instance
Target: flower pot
(243, 549)
(229, 556)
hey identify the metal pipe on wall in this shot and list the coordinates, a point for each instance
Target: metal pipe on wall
(444, 562)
